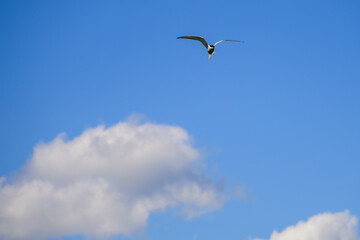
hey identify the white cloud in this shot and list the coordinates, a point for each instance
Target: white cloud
(106, 182)
(327, 226)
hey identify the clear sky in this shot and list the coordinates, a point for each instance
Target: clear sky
(272, 125)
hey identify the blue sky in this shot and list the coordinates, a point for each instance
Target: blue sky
(278, 115)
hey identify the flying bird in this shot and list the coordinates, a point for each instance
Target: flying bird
(210, 48)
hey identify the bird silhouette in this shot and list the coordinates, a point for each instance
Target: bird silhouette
(210, 48)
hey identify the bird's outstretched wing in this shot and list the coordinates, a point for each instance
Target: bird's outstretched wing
(201, 39)
(228, 40)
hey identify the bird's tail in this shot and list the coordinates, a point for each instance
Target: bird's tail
(210, 55)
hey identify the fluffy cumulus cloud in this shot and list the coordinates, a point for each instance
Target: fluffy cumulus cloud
(327, 226)
(106, 182)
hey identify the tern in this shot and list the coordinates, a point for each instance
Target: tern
(210, 48)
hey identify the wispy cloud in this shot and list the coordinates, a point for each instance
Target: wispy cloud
(106, 182)
(326, 226)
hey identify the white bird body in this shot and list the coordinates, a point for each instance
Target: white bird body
(210, 48)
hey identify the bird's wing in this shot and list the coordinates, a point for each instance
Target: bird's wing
(228, 40)
(201, 39)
